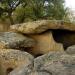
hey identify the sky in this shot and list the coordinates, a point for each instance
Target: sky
(70, 3)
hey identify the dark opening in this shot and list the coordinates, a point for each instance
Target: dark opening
(9, 70)
(67, 38)
(38, 55)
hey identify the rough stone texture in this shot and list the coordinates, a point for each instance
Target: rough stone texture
(11, 59)
(45, 43)
(37, 71)
(56, 63)
(70, 50)
(15, 40)
(30, 27)
(69, 62)
(41, 26)
(22, 70)
(53, 63)
(47, 58)
(27, 70)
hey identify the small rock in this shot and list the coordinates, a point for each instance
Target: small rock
(70, 50)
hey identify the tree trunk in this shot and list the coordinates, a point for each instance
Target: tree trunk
(10, 18)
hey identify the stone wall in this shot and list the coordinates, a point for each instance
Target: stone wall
(23, 42)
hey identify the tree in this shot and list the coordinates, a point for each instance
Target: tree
(55, 9)
(33, 9)
(8, 6)
(49, 9)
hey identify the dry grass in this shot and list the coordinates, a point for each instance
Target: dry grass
(4, 27)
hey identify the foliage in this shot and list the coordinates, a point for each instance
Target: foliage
(19, 11)
(8, 6)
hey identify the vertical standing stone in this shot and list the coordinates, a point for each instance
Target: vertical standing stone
(45, 43)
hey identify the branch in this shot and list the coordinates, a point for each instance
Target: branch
(13, 5)
(1, 10)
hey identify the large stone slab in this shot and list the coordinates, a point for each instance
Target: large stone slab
(67, 38)
(41, 26)
(44, 44)
(11, 59)
(15, 40)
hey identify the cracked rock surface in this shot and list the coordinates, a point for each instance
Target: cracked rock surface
(15, 40)
(10, 59)
(53, 63)
(40, 26)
